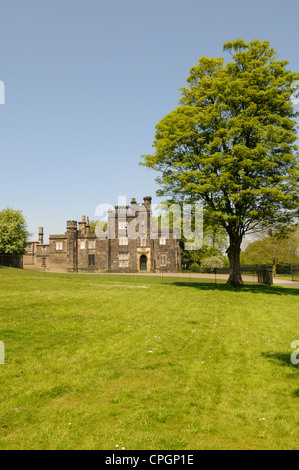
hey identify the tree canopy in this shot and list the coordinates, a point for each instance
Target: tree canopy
(231, 142)
(13, 231)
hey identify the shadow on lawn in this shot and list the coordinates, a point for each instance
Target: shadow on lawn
(256, 289)
(284, 360)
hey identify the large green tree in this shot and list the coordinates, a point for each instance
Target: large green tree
(13, 231)
(231, 143)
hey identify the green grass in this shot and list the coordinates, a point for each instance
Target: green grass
(96, 362)
(287, 277)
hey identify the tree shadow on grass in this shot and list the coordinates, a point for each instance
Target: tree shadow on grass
(284, 360)
(254, 289)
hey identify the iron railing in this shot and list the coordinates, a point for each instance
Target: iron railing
(11, 260)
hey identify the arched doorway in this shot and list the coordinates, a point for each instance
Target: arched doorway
(143, 263)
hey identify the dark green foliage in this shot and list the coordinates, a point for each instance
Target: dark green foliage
(13, 231)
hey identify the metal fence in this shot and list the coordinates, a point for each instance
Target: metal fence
(251, 273)
(261, 273)
(10, 260)
(290, 270)
(264, 272)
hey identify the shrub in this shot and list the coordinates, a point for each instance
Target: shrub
(194, 268)
(209, 264)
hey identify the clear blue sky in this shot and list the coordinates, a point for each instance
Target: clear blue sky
(86, 81)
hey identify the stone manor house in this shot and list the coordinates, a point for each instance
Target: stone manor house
(79, 250)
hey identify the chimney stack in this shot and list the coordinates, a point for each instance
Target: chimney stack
(41, 235)
(71, 226)
(82, 226)
(87, 224)
(147, 201)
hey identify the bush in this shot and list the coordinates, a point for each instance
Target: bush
(209, 264)
(194, 268)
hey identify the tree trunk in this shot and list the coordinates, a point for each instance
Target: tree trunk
(233, 253)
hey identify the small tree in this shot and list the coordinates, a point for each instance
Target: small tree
(211, 263)
(231, 143)
(13, 231)
(214, 244)
(194, 268)
(274, 246)
(97, 225)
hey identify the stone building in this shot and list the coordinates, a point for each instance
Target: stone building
(37, 253)
(147, 248)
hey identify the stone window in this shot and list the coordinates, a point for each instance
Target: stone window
(91, 260)
(163, 260)
(123, 260)
(162, 240)
(122, 225)
(44, 249)
(142, 241)
(123, 241)
(58, 246)
(82, 244)
(91, 244)
(29, 247)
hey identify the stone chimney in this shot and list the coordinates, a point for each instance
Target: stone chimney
(41, 235)
(71, 226)
(133, 201)
(71, 240)
(87, 225)
(147, 205)
(82, 226)
(147, 201)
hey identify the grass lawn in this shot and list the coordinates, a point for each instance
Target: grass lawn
(287, 277)
(105, 362)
